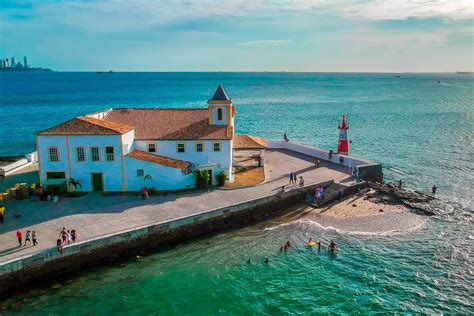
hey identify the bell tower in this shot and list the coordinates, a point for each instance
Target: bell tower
(221, 110)
(343, 145)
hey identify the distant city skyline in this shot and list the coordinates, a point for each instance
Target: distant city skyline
(12, 63)
(237, 35)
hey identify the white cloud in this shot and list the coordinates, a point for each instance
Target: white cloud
(265, 43)
(118, 15)
(404, 9)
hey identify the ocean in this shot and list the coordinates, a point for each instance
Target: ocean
(419, 124)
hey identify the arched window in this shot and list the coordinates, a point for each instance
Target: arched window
(219, 114)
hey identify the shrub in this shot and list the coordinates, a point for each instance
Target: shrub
(202, 178)
(221, 178)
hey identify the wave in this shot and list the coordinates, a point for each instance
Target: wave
(393, 232)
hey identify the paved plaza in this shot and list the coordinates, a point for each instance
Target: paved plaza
(93, 215)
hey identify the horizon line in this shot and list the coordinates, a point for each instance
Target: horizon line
(252, 71)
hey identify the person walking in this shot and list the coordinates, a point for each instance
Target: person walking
(63, 235)
(35, 238)
(291, 178)
(27, 238)
(301, 181)
(294, 178)
(59, 245)
(2, 211)
(433, 190)
(318, 162)
(19, 235)
(68, 237)
(73, 235)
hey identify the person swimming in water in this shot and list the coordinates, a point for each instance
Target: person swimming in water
(319, 246)
(332, 247)
(266, 260)
(248, 260)
(285, 247)
(288, 244)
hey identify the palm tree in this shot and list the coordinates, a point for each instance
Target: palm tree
(147, 177)
(75, 183)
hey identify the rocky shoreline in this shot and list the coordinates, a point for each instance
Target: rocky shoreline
(389, 193)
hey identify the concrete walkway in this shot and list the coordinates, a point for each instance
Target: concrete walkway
(92, 216)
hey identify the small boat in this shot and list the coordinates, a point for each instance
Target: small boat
(397, 76)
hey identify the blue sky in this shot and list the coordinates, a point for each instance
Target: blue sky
(237, 35)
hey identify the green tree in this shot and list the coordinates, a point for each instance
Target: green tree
(202, 178)
(221, 177)
(75, 183)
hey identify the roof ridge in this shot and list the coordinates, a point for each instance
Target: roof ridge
(106, 124)
(159, 159)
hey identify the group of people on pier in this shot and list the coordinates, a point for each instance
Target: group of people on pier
(294, 179)
(66, 237)
(31, 238)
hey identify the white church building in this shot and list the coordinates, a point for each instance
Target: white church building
(114, 150)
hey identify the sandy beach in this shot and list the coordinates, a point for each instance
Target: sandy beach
(360, 215)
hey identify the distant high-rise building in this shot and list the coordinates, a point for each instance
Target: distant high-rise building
(25, 62)
(12, 62)
(7, 63)
(1, 63)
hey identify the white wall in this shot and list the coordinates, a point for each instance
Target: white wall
(127, 141)
(224, 108)
(99, 115)
(112, 170)
(168, 148)
(45, 164)
(81, 170)
(163, 178)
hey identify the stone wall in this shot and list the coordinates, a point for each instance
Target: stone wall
(51, 265)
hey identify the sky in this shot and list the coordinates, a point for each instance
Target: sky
(238, 35)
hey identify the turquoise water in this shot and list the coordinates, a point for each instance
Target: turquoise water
(412, 123)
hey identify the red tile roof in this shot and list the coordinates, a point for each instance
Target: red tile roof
(161, 160)
(84, 125)
(249, 142)
(169, 124)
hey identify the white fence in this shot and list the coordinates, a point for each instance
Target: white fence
(17, 165)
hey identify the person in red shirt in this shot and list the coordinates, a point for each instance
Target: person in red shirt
(19, 234)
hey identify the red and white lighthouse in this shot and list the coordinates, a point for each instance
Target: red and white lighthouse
(343, 145)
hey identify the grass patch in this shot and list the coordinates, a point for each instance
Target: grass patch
(246, 177)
